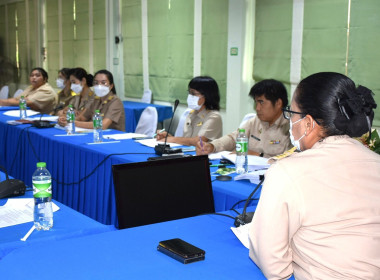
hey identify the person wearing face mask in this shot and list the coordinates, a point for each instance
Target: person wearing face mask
(204, 119)
(63, 83)
(319, 213)
(268, 132)
(40, 96)
(106, 101)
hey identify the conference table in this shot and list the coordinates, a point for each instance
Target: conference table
(132, 254)
(68, 223)
(81, 171)
(133, 111)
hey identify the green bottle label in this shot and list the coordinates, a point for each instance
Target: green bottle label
(42, 189)
(22, 106)
(241, 147)
(96, 123)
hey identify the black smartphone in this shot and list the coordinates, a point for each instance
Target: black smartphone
(181, 250)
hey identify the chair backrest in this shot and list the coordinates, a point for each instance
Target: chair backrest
(18, 93)
(4, 92)
(148, 122)
(147, 96)
(246, 118)
(181, 123)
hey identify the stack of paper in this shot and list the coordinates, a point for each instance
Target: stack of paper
(16, 113)
(153, 142)
(122, 136)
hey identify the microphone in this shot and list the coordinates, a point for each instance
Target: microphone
(161, 149)
(46, 124)
(245, 218)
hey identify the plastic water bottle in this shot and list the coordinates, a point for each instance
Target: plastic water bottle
(22, 105)
(241, 152)
(70, 117)
(42, 193)
(98, 127)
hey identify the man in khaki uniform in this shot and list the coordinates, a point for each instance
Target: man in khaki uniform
(268, 132)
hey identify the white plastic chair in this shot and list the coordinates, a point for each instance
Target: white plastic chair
(148, 122)
(147, 96)
(18, 93)
(4, 92)
(181, 123)
(246, 118)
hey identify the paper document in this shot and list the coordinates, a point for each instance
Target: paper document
(219, 155)
(47, 118)
(18, 211)
(254, 162)
(153, 142)
(253, 176)
(77, 129)
(242, 234)
(122, 136)
(16, 113)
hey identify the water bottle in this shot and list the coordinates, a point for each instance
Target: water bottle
(42, 193)
(241, 152)
(22, 105)
(98, 127)
(70, 117)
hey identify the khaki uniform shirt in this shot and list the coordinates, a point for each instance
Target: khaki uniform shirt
(44, 96)
(65, 100)
(262, 138)
(80, 103)
(111, 108)
(319, 214)
(207, 123)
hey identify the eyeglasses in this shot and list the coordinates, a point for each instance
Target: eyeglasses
(193, 92)
(103, 83)
(289, 113)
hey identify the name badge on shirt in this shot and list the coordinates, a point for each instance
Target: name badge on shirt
(272, 142)
(199, 124)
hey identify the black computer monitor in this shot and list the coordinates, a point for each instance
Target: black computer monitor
(163, 190)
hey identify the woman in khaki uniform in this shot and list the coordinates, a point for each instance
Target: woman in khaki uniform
(40, 96)
(204, 120)
(319, 213)
(110, 106)
(63, 83)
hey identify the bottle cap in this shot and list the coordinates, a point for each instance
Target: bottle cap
(97, 111)
(41, 164)
(241, 130)
(22, 96)
(71, 106)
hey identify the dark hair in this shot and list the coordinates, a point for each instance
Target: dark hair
(65, 72)
(80, 73)
(333, 100)
(42, 71)
(209, 89)
(271, 89)
(109, 77)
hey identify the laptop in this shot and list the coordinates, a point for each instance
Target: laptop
(163, 190)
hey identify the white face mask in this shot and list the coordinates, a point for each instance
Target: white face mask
(295, 143)
(192, 102)
(101, 90)
(77, 88)
(60, 83)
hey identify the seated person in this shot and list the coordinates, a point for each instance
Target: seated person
(204, 120)
(63, 83)
(80, 84)
(40, 96)
(268, 132)
(110, 106)
(319, 213)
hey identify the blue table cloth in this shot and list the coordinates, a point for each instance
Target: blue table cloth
(70, 159)
(133, 111)
(68, 223)
(132, 254)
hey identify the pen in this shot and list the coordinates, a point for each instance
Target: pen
(219, 165)
(254, 137)
(162, 130)
(200, 140)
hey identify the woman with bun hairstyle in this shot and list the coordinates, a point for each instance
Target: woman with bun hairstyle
(319, 213)
(80, 84)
